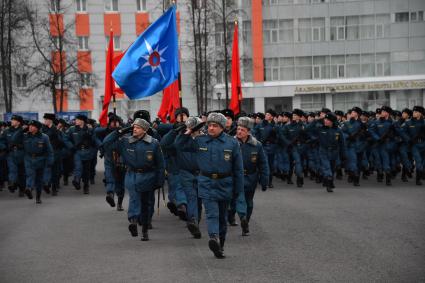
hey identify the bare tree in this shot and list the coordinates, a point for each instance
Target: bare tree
(55, 69)
(12, 20)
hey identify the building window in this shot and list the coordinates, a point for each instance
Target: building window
(312, 102)
(271, 66)
(83, 43)
(81, 5)
(402, 17)
(286, 31)
(85, 80)
(316, 34)
(246, 31)
(304, 30)
(54, 6)
(337, 28)
(111, 5)
(141, 5)
(271, 31)
(117, 42)
(21, 80)
(317, 72)
(417, 16)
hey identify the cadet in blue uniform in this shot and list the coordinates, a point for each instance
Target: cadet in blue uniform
(188, 171)
(53, 173)
(143, 157)
(80, 139)
(294, 135)
(176, 199)
(331, 148)
(415, 134)
(266, 134)
(15, 157)
(91, 124)
(66, 154)
(256, 168)
(383, 132)
(114, 166)
(145, 115)
(353, 130)
(403, 148)
(38, 156)
(220, 163)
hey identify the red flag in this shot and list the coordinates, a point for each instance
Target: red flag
(236, 75)
(109, 82)
(115, 62)
(170, 102)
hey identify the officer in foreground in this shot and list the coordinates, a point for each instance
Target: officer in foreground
(220, 163)
(143, 157)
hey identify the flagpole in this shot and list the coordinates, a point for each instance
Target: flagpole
(114, 102)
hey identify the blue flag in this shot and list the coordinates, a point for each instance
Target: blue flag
(151, 63)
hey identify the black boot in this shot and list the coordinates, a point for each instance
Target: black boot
(86, 188)
(76, 184)
(403, 175)
(329, 185)
(365, 174)
(145, 235)
(12, 188)
(21, 192)
(54, 190)
(284, 176)
(215, 247)
(289, 179)
(46, 188)
(418, 178)
(133, 227)
(172, 207)
(65, 180)
(356, 180)
(231, 218)
(110, 199)
(312, 175)
(119, 205)
(319, 178)
(38, 197)
(380, 177)
(28, 193)
(388, 179)
(244, 226)
(339, 174)
(92, 181)
(300, 182)
(182, 212)
(222, 240)
(194, 229)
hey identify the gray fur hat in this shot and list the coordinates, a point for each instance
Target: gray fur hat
(142, 123)
(193, 122)
(217, 118)
(245, 122)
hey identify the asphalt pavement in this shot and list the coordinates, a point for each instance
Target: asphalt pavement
(372, 233)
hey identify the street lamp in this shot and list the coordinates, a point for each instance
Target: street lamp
(219, 100)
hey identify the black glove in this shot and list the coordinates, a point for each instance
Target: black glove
(198, 127)
(125, 130)
(180, 127)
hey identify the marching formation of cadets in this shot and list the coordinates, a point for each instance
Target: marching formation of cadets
(214, 161)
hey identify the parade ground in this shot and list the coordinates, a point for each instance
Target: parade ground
(372, 233)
